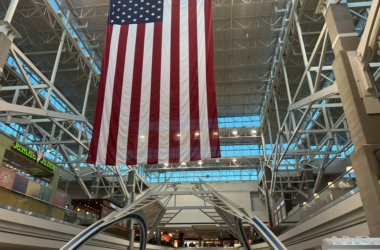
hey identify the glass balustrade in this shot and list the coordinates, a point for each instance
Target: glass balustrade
(338, 190)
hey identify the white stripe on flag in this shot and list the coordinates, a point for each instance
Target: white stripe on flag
(107, 106)
(143, 135)
(125, 106)
(184, 82)
(203, 114)
(163, 153)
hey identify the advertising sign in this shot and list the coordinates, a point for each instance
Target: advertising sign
(33, 156)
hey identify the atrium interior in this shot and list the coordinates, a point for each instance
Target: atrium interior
(297, 94)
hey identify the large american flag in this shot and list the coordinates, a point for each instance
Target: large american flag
(156, 101)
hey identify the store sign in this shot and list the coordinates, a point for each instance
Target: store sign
(358, 240)
(37, 157)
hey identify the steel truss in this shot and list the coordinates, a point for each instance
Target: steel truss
(312, 131)
(151, 211)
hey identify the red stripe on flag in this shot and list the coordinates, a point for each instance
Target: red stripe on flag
(210, 79)
(92, 153)
(134, 116)
(195, 144)
(154, 119)
(174, 124)
(116, 96)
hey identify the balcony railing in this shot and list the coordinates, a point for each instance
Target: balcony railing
(337, 191)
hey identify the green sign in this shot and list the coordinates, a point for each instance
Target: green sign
(37, 157)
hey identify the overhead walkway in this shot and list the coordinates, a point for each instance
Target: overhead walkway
(149, 209)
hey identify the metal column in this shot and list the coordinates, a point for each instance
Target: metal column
(132, 196)
(267, 182)
(363, 127)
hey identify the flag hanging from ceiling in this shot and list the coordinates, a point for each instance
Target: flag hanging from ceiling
(156, 99)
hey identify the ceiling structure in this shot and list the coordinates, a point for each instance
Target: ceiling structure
(269, 56)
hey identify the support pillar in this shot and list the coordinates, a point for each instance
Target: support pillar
(268, 202)
(158, 236)
(363, 127)
(54, 184)
(131, 191)
(251, 231)
(310, 182)
(95, 181)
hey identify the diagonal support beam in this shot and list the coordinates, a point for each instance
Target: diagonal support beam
(320, 95)
(121, 182)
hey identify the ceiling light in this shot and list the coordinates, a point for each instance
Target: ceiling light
(350, 169)
(77, 169)
(183, 163)
(234, 160)
(196, 133)
(166, 165)
(254, 132)
(142, 136)
(234, 132)
(179, 135)
(49, 148)
(200, 162)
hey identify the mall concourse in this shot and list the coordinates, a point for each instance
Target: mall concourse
(164, 124)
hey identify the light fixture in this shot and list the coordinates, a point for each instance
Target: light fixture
(254, 132)
(78, 209)
(76, 169)
(234, 132)
(142, 136)
(183, 163)
(304, 203)
(217, 160)
(49, 148)
(316, 195)
(179, 135)
(330, 184)
(87, 212)
(197, 134)
(8, 120)
(200, 162)
(349, 169)
(215, 133)
(234, 160)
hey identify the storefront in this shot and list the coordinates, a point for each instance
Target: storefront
(26, 178)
